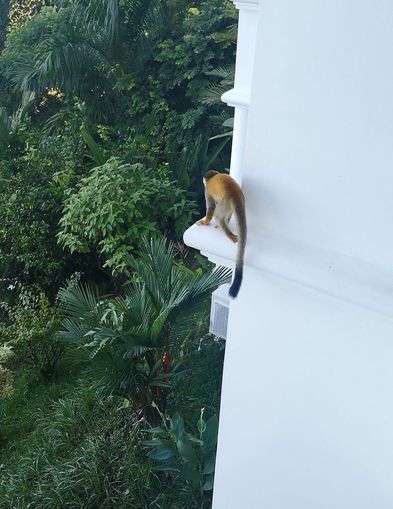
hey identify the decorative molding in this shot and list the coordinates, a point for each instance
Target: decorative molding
(252, 5)
(342, 277)
(236, 98)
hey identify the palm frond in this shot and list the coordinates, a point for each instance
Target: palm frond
(9, 124)
(206, 283)
(229, 35)
(154, 266)
(213, 91)
(159, 13)
(74, 332)
(68, 64)
(57, 121)
(138, 336)
(133, 305)
(118, 371)
(101, 13)
(93, 15)
(147, 15)
(5, 127)
(71, 55)
(96, 152)
(136, 351)
(188, 311)
(81, 302)
(224, 72)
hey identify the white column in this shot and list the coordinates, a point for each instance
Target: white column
(239, 96)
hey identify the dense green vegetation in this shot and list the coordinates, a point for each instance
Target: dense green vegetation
(109, 116)
(73, 442)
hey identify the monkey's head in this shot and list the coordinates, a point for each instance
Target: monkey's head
(208, 175)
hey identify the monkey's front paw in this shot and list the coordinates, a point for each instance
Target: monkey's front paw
(233, 238)
(202, 222)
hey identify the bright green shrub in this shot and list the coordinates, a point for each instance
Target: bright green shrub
(118, 203)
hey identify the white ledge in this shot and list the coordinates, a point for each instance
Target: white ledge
(211, 243)
(236, 98)
(340, 276)
(246, 4)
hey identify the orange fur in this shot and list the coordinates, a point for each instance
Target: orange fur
(224, 198)
(222, 186)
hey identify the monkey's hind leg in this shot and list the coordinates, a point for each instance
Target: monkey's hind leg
(227, 231)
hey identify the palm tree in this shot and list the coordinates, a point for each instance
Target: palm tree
(211, 96)
(78, 47)
(66, 46)
(9, 124)
(132, 338)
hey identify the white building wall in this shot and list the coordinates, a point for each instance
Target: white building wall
(306, 416)
(319, 157)
(307, 401)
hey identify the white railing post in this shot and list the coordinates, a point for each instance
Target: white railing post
(239, 96)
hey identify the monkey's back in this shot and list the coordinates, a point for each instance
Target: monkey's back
(223, 186)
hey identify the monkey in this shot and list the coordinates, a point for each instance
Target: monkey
(224, 197)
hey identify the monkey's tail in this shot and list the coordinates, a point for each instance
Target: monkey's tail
(242, 238)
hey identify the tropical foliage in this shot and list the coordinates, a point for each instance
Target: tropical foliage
(29, 334)
(180, 453)
(115, 205)
(128, 336)
(109, 117)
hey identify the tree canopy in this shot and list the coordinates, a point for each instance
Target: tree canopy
(110, 114)
(100, 94)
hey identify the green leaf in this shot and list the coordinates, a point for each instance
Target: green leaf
(190, 473)
(126, 403)
(191, 438)
(228, 122)
(160, 384)
(208, 485)
(157, 430)
(210, 464)
(177, 426)
(95, 150)
(162, 453)
(152, 443)
(209, 436)
(165, 375)
(166, 468)
(212, 156)
(186, 451)
(228, 134)
(201, 423)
